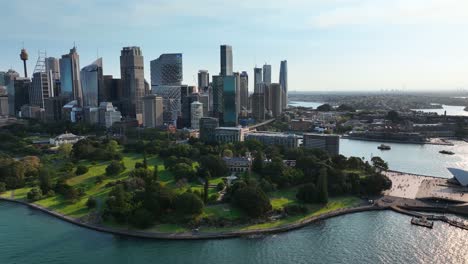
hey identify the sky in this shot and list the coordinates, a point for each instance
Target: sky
(337, 45)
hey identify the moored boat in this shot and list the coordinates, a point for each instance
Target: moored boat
(422, 222)
(384, 147)
(446, 152)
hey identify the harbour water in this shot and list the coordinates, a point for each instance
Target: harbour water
(452, 110)
(29, 236)
(412, 158)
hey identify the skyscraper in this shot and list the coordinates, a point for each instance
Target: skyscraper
(276, 99)
(92, 81)
(70, 84)
(196, 113)
(203, 81)
(53, 74)
(258, 106)
(167, 70)
(244, 91)
(226, 60)
(18, 91)
(186, 114)
(152, 111)
(39, 89)
(258, 77)
(283, 81)
(238, 93)
(133, 82)
(218, 106)
(230, 113)
(267, 74)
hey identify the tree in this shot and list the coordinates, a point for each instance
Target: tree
(206, 186)
(227, 153)
(45, 180)
(183, 170)
(114, 168)
(155, 173)
(145, 161)
(307, 193)
(322, 186)
(253, 201)
(65, 150)
(2, 187)
(325, 108)
(346, 108)
(379, 163)
(393, 116)
(142, 218)
(81, 169)
(188, 204)
(257, 165)
(215, 165)
(119, 204)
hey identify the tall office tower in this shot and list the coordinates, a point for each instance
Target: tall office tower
(40, 89)
(24, 57)
(276, 99)
(196, 113)
(147, 88)
(267, 94)
(329, 143)
(2, 78)
(258, 106)
(53, 74)
(53, 108)
(172, 98)
(244, 91)
(238, 93)
(205, 100)
(224, 100)
(18, 91)
(203, 81)
(70, 84)
(167, 70)
(226, 60)
(283, 80)
(230, 113)
(152, 111)
(133, 82)
(267, 74)
(217, 94)
(112, 89)
(186, 114)
(208, 127)
(92, 82)
(258, 77)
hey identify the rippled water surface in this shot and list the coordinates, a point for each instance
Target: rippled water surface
(373, 237)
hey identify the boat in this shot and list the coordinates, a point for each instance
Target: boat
(422, 222)
(384, 147)
(446, 152)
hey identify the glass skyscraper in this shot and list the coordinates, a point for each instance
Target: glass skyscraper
(283, 81)
(229, 97)
(91, 82)
(226, 60)
(267, 74)
(70, 84)
(167, 70)
(133, 82)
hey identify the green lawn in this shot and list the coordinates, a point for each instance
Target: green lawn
(222, 211)
(19, 194)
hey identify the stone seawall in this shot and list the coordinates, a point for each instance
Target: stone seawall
(199, 235)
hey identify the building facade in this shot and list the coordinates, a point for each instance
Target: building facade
(270, 138)
(203, 81)
(230, 113)
(226, 60)
(267, 74)
(229, 134)
(39, 89)
(167, 70)
(70, 84)
(196, 114)
(283, 81)
(92, 81)
(258, 76)
(208, 126)
(328, 143)
(133, 82)
(244, 91)
(276, 99)
(153, 111)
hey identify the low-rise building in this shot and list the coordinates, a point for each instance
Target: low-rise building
(238, 164)
(272, 138)
(67, 138)
(328, 143)
(229, 134)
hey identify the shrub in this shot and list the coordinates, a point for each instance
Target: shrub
(307, 193)
(91, 203)
(2, 187)
(220, 186)
(252, 200)
(295, 209)
(81, 169)
(142, 218)
(34, 194)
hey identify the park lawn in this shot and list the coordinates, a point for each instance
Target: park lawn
(333, 204)
(225, 211)
(98, 191)
(167, 228)
(279, 199)
(19, 194)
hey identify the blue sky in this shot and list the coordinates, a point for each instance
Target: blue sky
(329, 44)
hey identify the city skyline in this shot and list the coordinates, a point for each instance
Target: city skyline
(337, 45)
